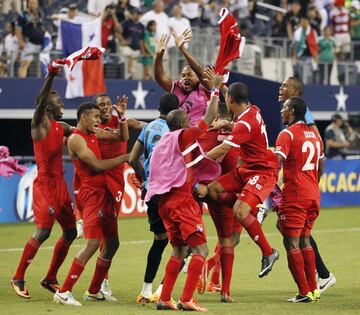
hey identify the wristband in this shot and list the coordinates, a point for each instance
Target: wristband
(122, 119)
(215, 92)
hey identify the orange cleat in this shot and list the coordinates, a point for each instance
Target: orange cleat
(20, 288)
(201, 285)
(52, 286)
(166, 305)
(192, 305)
(212, 287)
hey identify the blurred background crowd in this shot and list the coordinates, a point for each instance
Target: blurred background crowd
(317, 40)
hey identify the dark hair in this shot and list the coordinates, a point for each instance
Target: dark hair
(167, 103)
(298, 85)
(150, 23)
(239, 92)
(95, 98)
(335, 117)
(299, 108)
(174, 119)
(84, 107)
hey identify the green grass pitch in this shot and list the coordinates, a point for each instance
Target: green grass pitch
(337, 233)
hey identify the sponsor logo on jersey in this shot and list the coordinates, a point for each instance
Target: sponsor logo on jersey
(199, 228)
(100, 213)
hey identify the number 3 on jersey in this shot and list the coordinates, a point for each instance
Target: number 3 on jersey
(309, 148)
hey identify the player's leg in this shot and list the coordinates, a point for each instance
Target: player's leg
(66, 220)
(309, 264)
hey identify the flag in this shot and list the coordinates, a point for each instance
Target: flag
(87, 76)
(231, 42)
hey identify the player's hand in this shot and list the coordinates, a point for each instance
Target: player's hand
(201, 190)
(56, 65)
(184, 38)
(121, 104)
(135, 180)
(209, 74)
(219, 124)
(217, 81)
(161, 44)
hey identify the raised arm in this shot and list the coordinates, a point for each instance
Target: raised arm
(135, 124)
(134, 160)
(121, 104)
(197, 67)
(159, 73)
(213, 107)
(79, 149)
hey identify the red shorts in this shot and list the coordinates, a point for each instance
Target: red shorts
(181, 215)
(259, 183)
(223, 217)
(98, 212)
(116, 186)
(51, 201)
(298, 215)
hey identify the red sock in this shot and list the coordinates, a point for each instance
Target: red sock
(102, 267)
(310, 267)
(214, 260)
(296, 266)
(215, 277)
(74, 274)
(194, 271)
(253, 227)
(101, 248)
(29, 253)
(60, 251)
(171, 274)
(227, 261)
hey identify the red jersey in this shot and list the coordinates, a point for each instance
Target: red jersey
(112, 149)
(249, 134)
(213, 138)
(88, 177)
(301, 147)
(48, 151)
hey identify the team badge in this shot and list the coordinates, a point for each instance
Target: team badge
(100, 214)
(199, 228)
(51, 210)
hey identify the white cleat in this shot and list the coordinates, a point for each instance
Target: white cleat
(105, 287)
(324, 284)
(79, 229)
(65, 298)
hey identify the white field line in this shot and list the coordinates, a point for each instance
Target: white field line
(5, 250)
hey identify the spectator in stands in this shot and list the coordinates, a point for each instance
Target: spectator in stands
(30, 33)
(8, 4)
(210, 14)
(97, 7)
(132, 41)
(277, 30)
(122, 10)
(191, 9)
(335, 140)
(70, 14)
(340, 18)
(11, 44)
(110, 28)
(305, 51)
(291, 20)
(327, 52)
(314, 19)
(355, 21)
(149, 50)
(159, 16)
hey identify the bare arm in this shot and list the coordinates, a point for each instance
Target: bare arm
(213, 106)
(321, 169)
(219, 151)
(134, 160)
(79, 149)
(136, 125)
(109, 135)
(68, 129)
(159, 74)
(121, 105)
(339, 145)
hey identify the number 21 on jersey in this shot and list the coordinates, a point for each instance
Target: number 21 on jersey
(308, 148)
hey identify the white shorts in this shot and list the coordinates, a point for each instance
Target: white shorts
(343, 43)
(29, 51)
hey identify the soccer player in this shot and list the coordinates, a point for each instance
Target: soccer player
(193, 90)
(176, 165)
(299, 147)
(256, 177)
(293, 87)
(51, 199)
(96, 203)
(147, 140)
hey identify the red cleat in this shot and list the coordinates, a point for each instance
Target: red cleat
(192, 305)
(166, 305)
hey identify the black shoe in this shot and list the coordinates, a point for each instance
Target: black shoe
(267, 263)
(48, 285)
(308, 298)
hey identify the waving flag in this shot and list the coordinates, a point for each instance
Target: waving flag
(87, 76)
(231, 42)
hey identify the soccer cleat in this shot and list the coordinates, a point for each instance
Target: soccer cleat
(316, 294)
(166, 305)
(212, 287)
(142, 299)
(105, 287)
(52, 286)
(65, 298)
(201, 285)
(100, 296)
(225, 298)
(267, 262)
(324, 284)
(154, 298)
(20, 288)
(79, 229)
(192, 305)
(308, 298)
